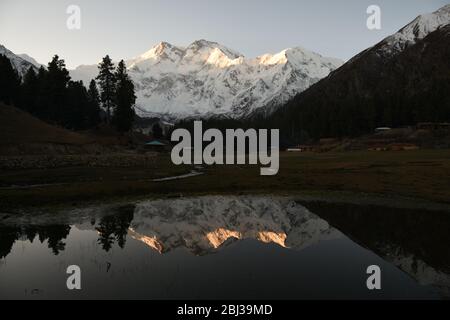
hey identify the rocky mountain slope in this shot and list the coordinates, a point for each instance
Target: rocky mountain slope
(400, 81)
(20, 62)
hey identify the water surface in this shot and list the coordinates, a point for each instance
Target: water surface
(226, 247)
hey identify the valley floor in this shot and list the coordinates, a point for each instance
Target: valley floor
(418, 174)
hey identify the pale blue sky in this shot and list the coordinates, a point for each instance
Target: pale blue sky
(125, 29)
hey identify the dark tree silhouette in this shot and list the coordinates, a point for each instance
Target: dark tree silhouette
(114, 228)
(94, 104)
(29, 91)
(54, 234)
(9, 82)
(77, 106)
(124, 98)
(107, 83)
(8, 235)
(50, 95)
(55, 89)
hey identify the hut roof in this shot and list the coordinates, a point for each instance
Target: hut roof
(155, 143)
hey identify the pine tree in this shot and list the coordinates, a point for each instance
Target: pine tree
(9, 81)
(94, 105)
(76, 116)
(124, 99)
(55, 86)
(41, 102)
(29, 91)
(107, 83)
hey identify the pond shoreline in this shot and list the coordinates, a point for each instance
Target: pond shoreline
(303, 198)
(407, 178)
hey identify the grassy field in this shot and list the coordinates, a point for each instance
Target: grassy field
(420, 174)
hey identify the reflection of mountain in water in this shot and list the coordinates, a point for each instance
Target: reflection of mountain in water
(203, 225)
(416, 241)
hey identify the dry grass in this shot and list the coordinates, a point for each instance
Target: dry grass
(421, 174)
(19, 127)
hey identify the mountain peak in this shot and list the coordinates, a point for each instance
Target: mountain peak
(161, 46)
(426, 23)
(205, 45)
(161, 51)
(298, 57)
(416, 30)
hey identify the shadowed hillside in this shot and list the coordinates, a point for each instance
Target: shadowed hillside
(371, 91)
(23, 133)
(19, 127)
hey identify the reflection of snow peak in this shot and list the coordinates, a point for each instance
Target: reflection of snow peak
(219, 236)
(152, 242)
(269, 236)
(206, 224)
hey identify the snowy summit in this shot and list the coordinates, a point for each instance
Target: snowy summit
(206, 79)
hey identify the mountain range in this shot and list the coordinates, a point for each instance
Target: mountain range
(207, 224)
(208, 79)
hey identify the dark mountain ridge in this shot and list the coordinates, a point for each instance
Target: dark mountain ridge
(373, 90)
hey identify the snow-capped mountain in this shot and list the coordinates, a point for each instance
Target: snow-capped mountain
(206, 78)
(26, 57)
(386, 84)
(407, 36)
(19, 62)
(418, 29)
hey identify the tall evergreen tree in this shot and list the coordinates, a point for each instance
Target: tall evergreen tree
(55, 86)
(9, 81)
(124, 98)
(29, 91)
(107, 82)
(51, 96)
(94, 104)
(76, 114)
(41, 102)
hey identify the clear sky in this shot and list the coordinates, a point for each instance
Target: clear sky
(125, 29)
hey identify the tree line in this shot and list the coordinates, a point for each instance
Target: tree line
(51, 95)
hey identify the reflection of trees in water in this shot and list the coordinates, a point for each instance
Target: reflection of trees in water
(114, 227)
(111, 229)
(422, 234)
(8, 235)
(53, 234)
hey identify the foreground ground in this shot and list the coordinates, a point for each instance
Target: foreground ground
(419, 174)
